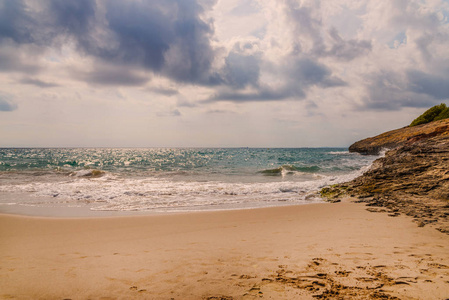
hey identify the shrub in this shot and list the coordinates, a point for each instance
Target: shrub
(431, 114)
(443, 115)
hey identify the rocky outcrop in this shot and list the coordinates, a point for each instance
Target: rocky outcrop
(411, 179)
(398, 137)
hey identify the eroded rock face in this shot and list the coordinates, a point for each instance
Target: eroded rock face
(411, 179)
(398, 137)
(419, 168)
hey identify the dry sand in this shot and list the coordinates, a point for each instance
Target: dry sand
(322, 250)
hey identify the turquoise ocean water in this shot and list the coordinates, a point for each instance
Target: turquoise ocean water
(110, 181)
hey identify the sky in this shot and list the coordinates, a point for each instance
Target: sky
(217, 73)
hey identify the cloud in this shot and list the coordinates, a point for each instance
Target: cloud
(15, 22)
(43, 23)
(390, 90)
(183, 102)
(429, 84)
(105, 74)
(72, 17)
(12, 60)
(382, 74)
(305, 46)
(261, 95)
(163, 91)
(241, 70)
(294, 77)
(171, 113)
(305, 22)
(175, 113)
(308, 72)
(171, 38)
(308, 28)
(167, 37)
(346, 49)
(141, 30)
(38, 83)
(220, 111)
(245, 8)
(125, 78)
(7, 105)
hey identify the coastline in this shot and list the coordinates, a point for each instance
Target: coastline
(105, 181)
(292, 252)
(411, 179)
(84, 211)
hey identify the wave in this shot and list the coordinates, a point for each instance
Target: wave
(340, 153)
(289, 170)
(168, 180)
(91, 173)
(309, 169)
(118, 193)
(344, 153)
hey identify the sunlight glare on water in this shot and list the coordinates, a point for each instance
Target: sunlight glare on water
(172, 179)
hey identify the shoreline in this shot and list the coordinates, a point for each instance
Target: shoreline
(85, 212)
(291, 252)
(148, 214)
(185, 181)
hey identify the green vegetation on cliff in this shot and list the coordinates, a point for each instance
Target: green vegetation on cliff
(443, 115)
(438, 112)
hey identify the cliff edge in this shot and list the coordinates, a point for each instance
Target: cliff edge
(411, 179)
(402, 136)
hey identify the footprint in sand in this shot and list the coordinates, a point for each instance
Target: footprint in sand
(135, 288)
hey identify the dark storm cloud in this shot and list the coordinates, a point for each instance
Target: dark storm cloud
(165, 36)
(15, 22)
(74, 17)
(29, 30)
(168, 37)
(38, 83)
(142, 31)
(23, 25)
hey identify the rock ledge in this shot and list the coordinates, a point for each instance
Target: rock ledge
(398, 137)
(411, 179)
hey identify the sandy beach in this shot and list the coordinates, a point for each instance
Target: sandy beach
(300, 252)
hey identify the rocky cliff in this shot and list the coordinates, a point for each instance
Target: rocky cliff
(398, 137)
(411, 179)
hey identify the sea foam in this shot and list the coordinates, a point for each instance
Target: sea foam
(174, 179)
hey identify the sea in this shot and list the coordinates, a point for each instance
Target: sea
(82, 182)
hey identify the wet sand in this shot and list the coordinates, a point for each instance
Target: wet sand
(299, 252)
